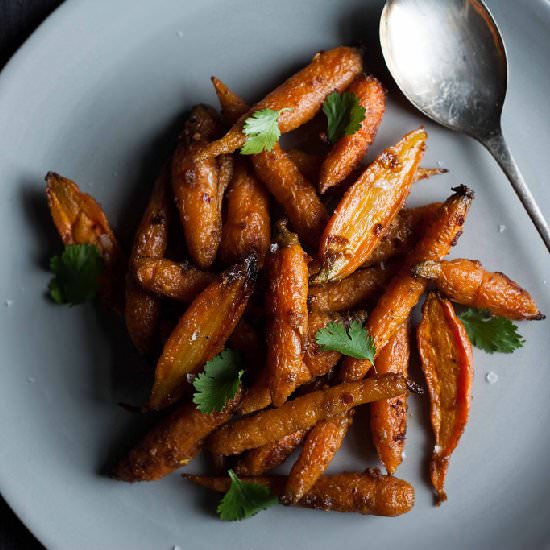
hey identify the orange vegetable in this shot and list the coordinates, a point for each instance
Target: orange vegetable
(302, 413)
(286, 310)
(142, 309)
(233, 107)
(79, 219)
(196, 187)
(247, 225)
(404, 290)
(346, 154)
(466, 282)
(171, 444)
(320, 446)
(446, 358)
(368, 493)
(388, 419)
(368, 208)
(308, 163)
(165, 278)
(262, 459)
(303, 94)
(202, 331)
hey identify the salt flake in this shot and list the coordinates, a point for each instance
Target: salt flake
(501, 228)
(491, 377)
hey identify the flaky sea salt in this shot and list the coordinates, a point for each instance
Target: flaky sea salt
(501, 228)
(194, 336)
(437, 449)
(382, 266)
(491, 377)
(403, 455)
(273, 247)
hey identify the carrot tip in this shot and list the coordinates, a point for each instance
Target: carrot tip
(463, 190)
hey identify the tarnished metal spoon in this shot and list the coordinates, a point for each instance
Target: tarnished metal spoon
(448, 58)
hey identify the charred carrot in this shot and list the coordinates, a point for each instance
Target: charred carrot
(302, 94)
(347, 153)
(446, 358)
(468, 283)
(368, 208)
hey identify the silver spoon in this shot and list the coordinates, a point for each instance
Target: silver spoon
(448, 58)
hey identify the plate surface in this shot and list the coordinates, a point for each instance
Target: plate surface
(98, 94)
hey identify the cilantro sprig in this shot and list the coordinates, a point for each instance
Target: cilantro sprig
(355, 341)
(262, 131)
(344, 115)
(244, 499)
(76, 274)
(491, 334)
(219, 382)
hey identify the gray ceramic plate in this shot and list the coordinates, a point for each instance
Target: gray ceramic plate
(97, 94)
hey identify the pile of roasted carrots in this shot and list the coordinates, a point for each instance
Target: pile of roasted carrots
(262, 265)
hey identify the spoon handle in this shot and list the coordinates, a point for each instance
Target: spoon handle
(497, 146)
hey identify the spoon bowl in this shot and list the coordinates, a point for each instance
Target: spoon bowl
(449, 60)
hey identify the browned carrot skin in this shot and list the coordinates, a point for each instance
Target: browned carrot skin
(246, 339)
(446, 359)
(284, 180)
(171, 444)
(367, 493)
(368, 207)
(195, 183)
(287, 318)
(302, 413)
(258, 461)
(388, 418)
(142, 309)
(404, 290)
(318, 362)
(233, 107)
(303, 94)
(351, 292)
(319, 449)
(168, 279)
(425, 173)
(79, 219)
(347, 153)
(468, 283)
(403, 233)
(308, 163)
(247, 225)
(202, 331)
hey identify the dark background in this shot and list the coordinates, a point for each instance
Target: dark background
(18, 18)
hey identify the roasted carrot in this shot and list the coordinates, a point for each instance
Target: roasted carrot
(320, 446)
(286, 310)
(247, 225)
(367, 493)
(246, 339)
(142, 309)
(350, 292)
(165, 278)
(446, 358)
(403, 233)
(303, 94)
(388, 418)
(262, 459)
(466, 282)
(302, 413)
(346, 154)
(308, 163)
(368, 208)
(425, 173)
(79, 219)
(232, 106)
(404, 290)
(318, 362)
(196, 187)
(171, 444)
(202, 331)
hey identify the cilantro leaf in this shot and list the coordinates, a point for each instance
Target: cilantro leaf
(355, 341)
(344, 115)
(491, 334)
(76, 274)
(262, 129)
(219, 382)
(244, 499)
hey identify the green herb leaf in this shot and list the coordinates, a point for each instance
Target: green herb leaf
(344, 115)
(355, 341)
(244, 499)
(219, 382)
(262, 129)
(491, 334)
(76, 274)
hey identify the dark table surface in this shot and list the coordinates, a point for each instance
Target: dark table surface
(18, 18)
